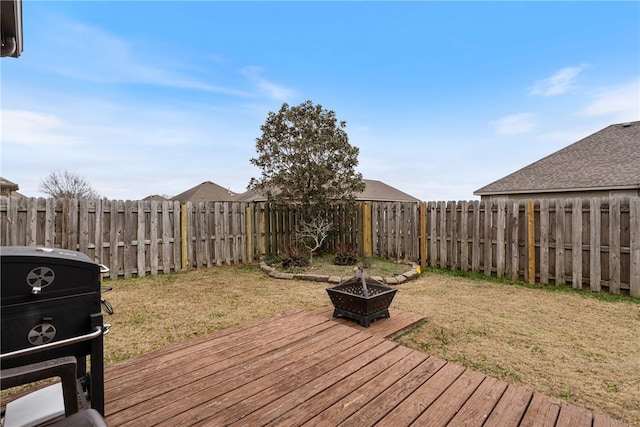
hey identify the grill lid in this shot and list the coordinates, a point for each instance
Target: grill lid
(31, 274)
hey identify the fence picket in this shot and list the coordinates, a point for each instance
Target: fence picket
(559, 233)
(634, 246)
(475, 244)
(453, 233)
(166, 239)
(614, 245)
(488, 238)
(140, 237)
(443, 234)
(128, 239)
(208, 253)
(514, 216)
(32, 222)
(544, 241)
(190, 262)
(576, 243)
(153, 245)
(464, 236)
(595, 275)
(218, 219)
(433, 252)
(177, 235)
(501, 225)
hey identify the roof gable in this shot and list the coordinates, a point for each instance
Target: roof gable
(375, 191)
(378, 191)
(608, 159)
(205, 192)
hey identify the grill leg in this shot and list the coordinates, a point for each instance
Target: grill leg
(97, 367)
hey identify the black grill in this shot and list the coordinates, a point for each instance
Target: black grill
(51, 308)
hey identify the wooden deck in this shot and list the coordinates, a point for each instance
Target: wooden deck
(306, 368)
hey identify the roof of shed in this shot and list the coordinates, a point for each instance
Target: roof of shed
(607, 159)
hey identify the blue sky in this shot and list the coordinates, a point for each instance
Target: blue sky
(442, 98)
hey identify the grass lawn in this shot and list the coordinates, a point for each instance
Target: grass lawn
(569, 345)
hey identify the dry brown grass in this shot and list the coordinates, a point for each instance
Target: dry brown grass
(155, 311)
(567, 345)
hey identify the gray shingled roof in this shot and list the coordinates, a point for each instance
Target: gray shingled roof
(205, 192)
(375, 191)
(606, 160)
(378, 191)
(156, 197)
(250, 196)
(5, 183)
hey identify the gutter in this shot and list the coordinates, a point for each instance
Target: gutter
(557, 190)
(11, 15)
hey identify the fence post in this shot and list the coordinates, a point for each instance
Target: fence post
(249, 228)
(423, 235)
(531, 243)
(367, 247)
(183, 240)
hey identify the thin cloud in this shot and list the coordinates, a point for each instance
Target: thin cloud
(558, 83)
(94, 55)
(272, 90)
(623, 101)
(515, 124)
(35, 129)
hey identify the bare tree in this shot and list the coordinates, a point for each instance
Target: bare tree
(67, 185)
(313, 233)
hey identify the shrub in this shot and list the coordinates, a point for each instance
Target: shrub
(272, 259)
(296, 261)
(345, 258)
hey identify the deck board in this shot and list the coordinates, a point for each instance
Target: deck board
(356, 399)
(385, 402)
(478, 407)
(307, 368)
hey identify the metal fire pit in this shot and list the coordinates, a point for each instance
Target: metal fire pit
(362, 299)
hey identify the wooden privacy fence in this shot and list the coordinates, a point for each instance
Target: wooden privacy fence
(585, 243)
(591, 243)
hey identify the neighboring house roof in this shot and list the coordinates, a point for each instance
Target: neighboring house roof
(157, 197)
(606, 160)
(375, 191)
(7, 185)
(378, 191)
(250, 196)
(206, 192)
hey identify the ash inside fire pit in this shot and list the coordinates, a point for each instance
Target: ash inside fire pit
(361, 298)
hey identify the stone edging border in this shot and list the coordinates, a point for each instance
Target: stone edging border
(391, 280)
